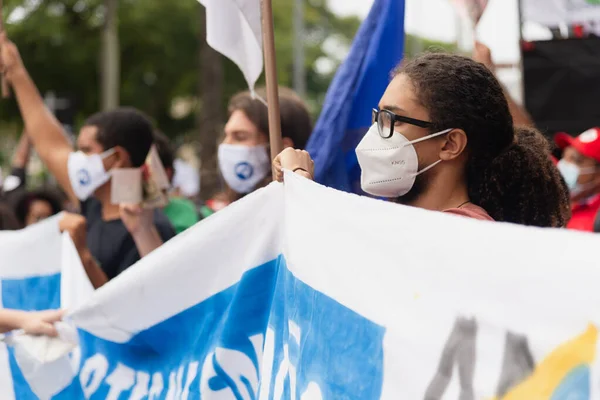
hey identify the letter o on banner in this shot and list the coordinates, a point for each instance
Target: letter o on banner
(93, 372)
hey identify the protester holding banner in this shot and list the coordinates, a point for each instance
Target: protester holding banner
(244, 154)
(116, 236)
(32, 323)
(580, 167)
(443, 139)
(76, 226)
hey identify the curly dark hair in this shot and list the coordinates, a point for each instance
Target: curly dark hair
(126, 127)
(23, 203)
(509, 170)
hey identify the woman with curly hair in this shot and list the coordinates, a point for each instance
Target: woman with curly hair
(443, 139)
(35, 206)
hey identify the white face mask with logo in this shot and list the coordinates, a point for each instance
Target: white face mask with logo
(87, 173)
(243, 167)
(390, 166)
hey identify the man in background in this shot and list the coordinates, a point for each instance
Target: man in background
(244, 155)
(116, 236)
(580, 168)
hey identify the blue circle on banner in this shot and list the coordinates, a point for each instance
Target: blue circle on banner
(83, 176)
(244, 170)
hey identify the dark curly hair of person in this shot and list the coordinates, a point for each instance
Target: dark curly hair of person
(24, 202)
(509, 170)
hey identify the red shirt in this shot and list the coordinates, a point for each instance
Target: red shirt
(584, 215)
(470, 210)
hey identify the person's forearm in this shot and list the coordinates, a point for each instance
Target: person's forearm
(147, 240)
(10, 320)
(95, 274)
(43, 129)
(520, 116)
(21, 156)
(483, 55)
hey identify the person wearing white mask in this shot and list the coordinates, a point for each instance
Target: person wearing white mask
(244, 157)
(443, 139)
(117, 235)
(580, 167)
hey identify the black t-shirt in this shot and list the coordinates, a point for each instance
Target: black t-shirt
(109, 241)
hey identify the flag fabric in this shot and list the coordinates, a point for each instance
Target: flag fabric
(471, 9)
(304, 292)
(233, 28)
(356, 89)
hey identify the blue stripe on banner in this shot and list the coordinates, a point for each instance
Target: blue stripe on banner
(306, 340)
(30, 294)
(168, 358)
(21, 387)
(338, 350)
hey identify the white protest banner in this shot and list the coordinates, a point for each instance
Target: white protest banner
(303, 292)
(552, 13)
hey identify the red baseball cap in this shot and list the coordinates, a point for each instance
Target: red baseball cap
(588, 143)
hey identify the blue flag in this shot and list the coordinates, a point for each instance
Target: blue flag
(356, 89)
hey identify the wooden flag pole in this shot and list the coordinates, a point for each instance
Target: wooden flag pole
(4, 82)
(271, 77)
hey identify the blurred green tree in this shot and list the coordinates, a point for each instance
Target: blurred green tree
(415, 45)
(60, 42)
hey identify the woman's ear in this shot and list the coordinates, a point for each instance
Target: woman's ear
(454, 145)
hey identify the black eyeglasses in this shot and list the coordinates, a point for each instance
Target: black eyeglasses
(386, 120)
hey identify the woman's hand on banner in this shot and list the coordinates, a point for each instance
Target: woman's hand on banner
(41, 322)
(298, 161)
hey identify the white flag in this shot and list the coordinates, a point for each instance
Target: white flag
(233, 28)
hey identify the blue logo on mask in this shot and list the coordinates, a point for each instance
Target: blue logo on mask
(83, 176)
(244, 171)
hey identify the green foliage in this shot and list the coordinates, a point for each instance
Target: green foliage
(60, 42)
(415, 44)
